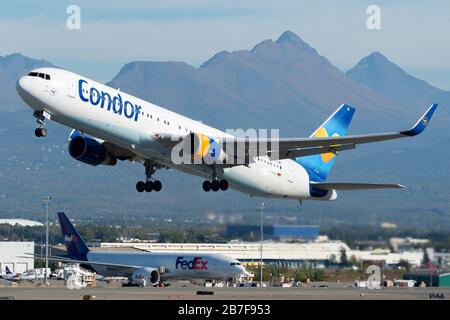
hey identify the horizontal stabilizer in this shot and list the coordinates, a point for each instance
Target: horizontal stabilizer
(354, 186)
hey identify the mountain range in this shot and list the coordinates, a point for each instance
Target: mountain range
(267, 87)
(386, 78)
(281, 84)
(11, 67)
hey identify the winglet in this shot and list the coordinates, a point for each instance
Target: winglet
(421, 123)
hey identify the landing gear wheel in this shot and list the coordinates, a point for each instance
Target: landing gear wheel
(223, 184)
(215, 185)
(206, 186)
(140, 186)
(149, 186)
(40, 132)
(157, 185)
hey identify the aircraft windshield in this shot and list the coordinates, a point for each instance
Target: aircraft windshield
(40, 75)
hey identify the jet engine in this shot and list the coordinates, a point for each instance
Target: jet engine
(146, 277)
(90, 151)
(323, 194)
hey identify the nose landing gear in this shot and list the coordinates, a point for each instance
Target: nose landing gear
(40, 132)
(40, 116)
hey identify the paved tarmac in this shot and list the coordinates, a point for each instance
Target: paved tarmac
(134, 293)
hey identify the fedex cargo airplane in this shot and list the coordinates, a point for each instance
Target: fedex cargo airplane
(110, 125)
(147, 268)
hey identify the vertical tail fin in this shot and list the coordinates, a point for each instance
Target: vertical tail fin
(75, 245)
(318, 166)
(7, 270)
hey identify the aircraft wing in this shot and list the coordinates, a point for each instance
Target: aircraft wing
(354, 186)
(242, 150)
(299, 147)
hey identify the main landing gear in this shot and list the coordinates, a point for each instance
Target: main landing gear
(215, 185)
(149, 185)
(40, 131)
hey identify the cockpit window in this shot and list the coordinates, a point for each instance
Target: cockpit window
(40, 75)
(235, 264)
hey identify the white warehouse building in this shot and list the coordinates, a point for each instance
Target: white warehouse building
(21, 222)
(17, 256)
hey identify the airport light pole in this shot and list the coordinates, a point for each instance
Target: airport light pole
(46, 201)
(261, 207)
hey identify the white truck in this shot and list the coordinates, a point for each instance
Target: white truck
(77, 277)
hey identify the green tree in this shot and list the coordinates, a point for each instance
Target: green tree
(343, 257)
(319, 275)
(353, 261)
(404, 264)
(426, 258)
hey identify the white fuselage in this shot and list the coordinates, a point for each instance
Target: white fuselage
(90, 107)
(176, 266)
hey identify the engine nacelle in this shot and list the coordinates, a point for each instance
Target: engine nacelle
(146, 277)
(322, 194)
(203, 148)
(90, 151)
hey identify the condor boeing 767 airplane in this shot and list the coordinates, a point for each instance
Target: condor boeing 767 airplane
(110, 125)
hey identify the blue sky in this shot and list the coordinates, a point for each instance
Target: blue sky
(414, 34)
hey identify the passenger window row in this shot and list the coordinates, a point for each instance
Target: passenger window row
(40, 75)
(270, 163)
(157, 119)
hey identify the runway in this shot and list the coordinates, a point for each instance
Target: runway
(134, 293)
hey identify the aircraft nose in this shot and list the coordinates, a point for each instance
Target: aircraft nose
(241, 270)
(245, 272)
(21, 86)
(24, 88)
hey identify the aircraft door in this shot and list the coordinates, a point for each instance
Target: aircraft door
(290, 172)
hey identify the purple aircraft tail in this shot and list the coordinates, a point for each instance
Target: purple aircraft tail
(75, 245)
